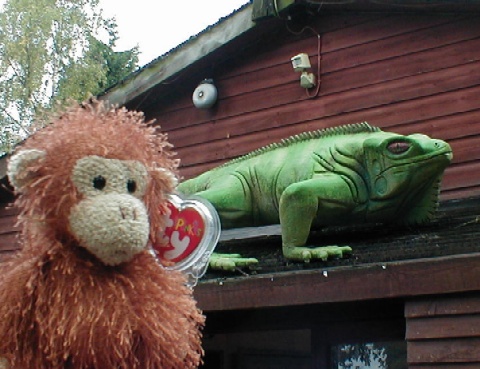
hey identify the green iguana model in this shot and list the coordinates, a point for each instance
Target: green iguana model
(338, 176)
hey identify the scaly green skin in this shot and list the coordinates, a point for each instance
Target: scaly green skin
(339, 176)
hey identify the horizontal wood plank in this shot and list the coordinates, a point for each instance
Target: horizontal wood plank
(447, 366)
(8, 225)
(443, 327)
(460, 193)
(439, 306)
(445, 351)
(340, 50)
(367, 98)
(451, 126)
(218, 129)
(403, 119)
(466, 149)
(398, 279)
(400, 67)
(7, 210)
(411, 42)
(5, 255)
(413, 72)
(338, 33)
(9, 242)
(460, 176)
(328, 103)
(8, 222)
(285, 43)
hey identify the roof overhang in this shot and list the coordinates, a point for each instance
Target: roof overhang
(252, 16)
(178, 59)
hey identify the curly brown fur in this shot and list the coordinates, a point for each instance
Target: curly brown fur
(60, 307)
(93, 130)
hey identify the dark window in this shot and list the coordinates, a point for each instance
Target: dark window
(213, 359)
(369, 355)
(367, 335)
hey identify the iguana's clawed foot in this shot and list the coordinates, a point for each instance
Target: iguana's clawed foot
(230, 262)
(305, 254)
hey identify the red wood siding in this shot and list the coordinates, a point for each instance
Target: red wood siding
(8, 231)
(444, 332)
(403, 72)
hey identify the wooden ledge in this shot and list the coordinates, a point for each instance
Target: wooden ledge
(449, 274)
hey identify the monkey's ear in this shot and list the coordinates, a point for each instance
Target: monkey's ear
(22, 167)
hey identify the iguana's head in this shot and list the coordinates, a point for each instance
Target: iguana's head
(405, 172)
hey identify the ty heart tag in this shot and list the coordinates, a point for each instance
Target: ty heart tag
(191, 234)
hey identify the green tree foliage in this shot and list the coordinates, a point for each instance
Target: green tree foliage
(378, 355)
(50, 53)
(118, 64)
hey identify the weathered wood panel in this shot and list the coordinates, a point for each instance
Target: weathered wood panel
(443, 330)
(340, 52)
(432, 307)
(403, 279)
(404, 89)
(445, 351)
(271, 79)
(403, 72)
(428, 82)
(444, 327)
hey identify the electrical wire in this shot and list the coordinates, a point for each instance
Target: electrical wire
(319, 57)
(319, 68)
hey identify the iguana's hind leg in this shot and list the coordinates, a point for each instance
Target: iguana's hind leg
(232, 201)
(301, 203)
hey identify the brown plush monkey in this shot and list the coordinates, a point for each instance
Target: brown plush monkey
(85, 292)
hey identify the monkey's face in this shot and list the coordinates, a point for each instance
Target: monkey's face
(110, 220)
(96, 176)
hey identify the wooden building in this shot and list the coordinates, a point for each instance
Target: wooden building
(406, 298)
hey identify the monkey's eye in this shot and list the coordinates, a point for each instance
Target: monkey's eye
(99, 182)
(131, 186)
(398, 147)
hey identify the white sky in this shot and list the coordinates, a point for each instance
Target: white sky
(157, 26)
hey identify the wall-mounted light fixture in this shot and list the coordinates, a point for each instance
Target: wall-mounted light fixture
(301, 63)
(205, 95)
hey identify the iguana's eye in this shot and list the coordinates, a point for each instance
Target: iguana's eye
(398, 147)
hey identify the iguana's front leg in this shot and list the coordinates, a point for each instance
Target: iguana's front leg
(323, 196)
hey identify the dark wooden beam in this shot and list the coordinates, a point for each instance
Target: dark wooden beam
(460, 273)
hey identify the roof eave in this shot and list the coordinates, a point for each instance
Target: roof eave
(239, 22)
(180, 58)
